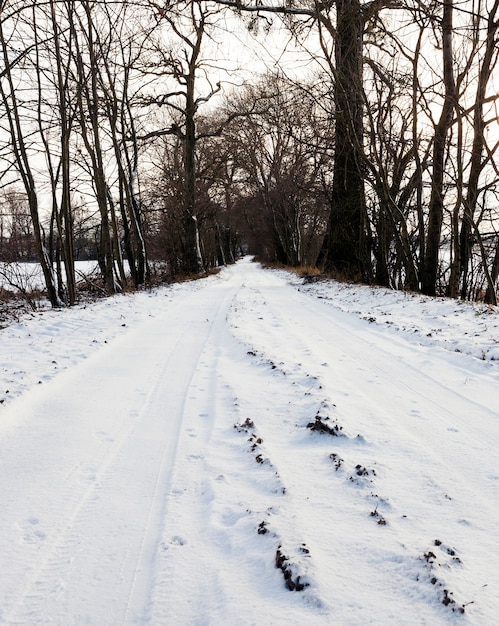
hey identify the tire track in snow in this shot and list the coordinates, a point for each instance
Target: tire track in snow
(242, 379)
(108, 548)
(183, 568)
(79, 555)
(43, 589)
(367, 404)
(213, 305)
(379, 368)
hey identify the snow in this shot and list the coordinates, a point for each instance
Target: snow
(20, 275)
(187, 454)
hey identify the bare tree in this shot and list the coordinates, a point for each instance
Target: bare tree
(283, 163)
(183, 62)
(117, 77)
(488, 58)
(87, 54)
(392, 176)
(436, 208)
(12, 36)
(52, 71)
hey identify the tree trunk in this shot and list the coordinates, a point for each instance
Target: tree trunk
(65, 220)
(23, 166)
(466, 235)
(490, 295)
(193, 261)
(348, 248)
(88, 102)
(436, 208)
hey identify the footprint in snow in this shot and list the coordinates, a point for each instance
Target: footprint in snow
(31, 533)
(176, 540)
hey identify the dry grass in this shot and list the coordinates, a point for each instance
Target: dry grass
(302, 270)
(308, 270)
(313, 273)
(13, 306)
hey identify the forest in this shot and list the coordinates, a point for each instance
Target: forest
(164, 139)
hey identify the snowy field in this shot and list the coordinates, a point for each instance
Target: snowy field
(17, 277)
(247, 449)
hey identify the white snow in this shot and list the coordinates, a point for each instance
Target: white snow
(156, 461)
(20, 275)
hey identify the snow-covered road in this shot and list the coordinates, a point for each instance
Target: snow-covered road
(243, 452)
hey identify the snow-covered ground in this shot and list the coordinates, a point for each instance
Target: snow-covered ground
(247, 449)
(19, 276)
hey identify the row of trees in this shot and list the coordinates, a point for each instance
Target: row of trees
(133, 126)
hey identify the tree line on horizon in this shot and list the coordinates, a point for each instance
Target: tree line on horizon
(131, 132)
